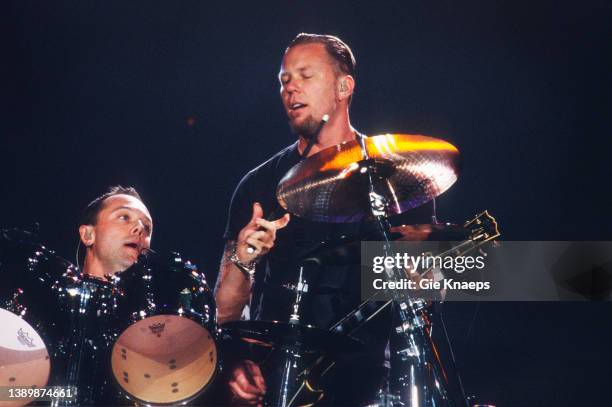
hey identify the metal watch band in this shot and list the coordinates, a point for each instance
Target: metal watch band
(247, 268)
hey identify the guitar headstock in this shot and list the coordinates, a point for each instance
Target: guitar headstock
(483, 227)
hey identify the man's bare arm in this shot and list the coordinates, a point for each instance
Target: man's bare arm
(233, 288)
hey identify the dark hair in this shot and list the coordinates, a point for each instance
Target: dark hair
(335, 47)
(90, 214)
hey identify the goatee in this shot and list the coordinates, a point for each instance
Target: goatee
(307, 129)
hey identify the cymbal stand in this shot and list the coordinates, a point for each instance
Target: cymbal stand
(420, 384)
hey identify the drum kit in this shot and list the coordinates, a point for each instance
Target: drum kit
(148, 335)
(145, 336)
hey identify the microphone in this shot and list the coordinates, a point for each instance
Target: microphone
(146, 251)
(315, 137)
(144, 255)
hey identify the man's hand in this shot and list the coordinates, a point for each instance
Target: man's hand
(259, 234)
(233, 290)
(247, 384)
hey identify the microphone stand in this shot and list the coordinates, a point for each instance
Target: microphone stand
(419, 383)
(292, 354)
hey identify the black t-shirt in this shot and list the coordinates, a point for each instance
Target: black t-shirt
(334, 289)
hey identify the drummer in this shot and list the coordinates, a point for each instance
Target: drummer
(263, 244)
(115, 229)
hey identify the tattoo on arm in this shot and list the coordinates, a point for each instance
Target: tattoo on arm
(225, 263)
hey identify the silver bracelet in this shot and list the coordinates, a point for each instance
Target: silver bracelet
(247, 268)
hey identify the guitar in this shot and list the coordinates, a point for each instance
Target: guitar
(477, 231)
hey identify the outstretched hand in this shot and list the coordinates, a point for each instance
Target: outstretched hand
(259, 234)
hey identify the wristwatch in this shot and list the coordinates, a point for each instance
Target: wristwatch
(247, 268)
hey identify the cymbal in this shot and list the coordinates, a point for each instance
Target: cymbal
(277, 334)
(332, 185)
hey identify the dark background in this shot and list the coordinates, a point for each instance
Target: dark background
(180, 99)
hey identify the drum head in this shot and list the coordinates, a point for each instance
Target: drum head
(24, 359)
(164, 359)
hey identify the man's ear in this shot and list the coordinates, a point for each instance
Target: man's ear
(346, 86)
(87, 234)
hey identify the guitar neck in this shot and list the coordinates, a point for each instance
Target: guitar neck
(369, 308)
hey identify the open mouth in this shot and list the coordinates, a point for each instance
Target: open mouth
(132, 245)
(296, 106)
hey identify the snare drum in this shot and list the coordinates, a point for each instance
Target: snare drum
(165, 352)
(33, 315)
